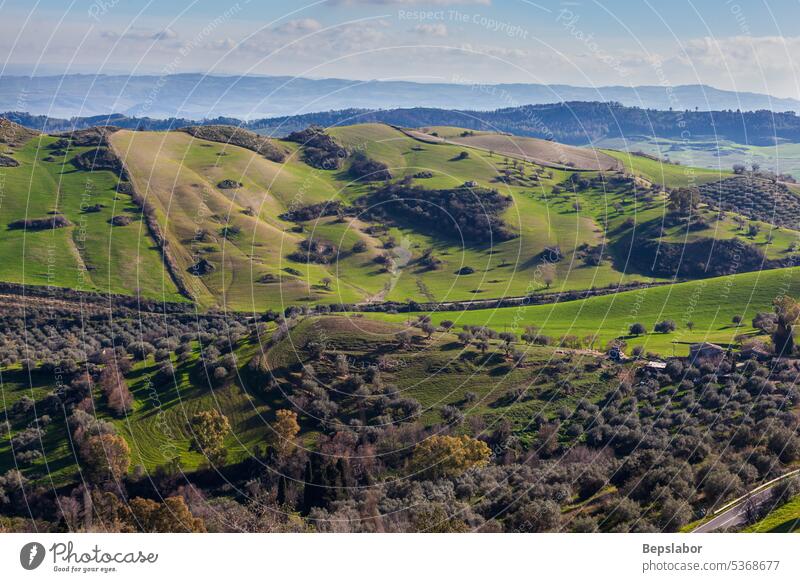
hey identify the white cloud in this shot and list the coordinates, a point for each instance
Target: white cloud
(303, 25)
(139, 34)
(431, 29)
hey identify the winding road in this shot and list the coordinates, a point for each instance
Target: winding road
(736, 514)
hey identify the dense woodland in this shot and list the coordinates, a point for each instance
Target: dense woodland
(467, 213)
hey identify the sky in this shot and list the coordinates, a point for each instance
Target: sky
(743, 45)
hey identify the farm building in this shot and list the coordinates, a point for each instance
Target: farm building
(706, 351)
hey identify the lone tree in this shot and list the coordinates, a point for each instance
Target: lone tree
(106, 457)
(548, 271)
(209, 429)
(665, 326)
(637, 329)
(285, 430)
(787, 311)
(326, 282)
(113, 385)
(449, 456)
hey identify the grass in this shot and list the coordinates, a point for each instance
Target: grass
(714, 153)
(436, 372)
(240, 232)
(710, 304)
(90, 254)
(179, 175)
(157, 428)
(784, 519)
(670, 175)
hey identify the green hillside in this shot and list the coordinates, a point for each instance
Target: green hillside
(709, 304)
(254, 270)
(242, 231)
(89, 253)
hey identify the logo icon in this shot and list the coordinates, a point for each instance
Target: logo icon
(31, 555)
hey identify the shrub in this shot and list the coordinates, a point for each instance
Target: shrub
(637, 329)
(665, 326)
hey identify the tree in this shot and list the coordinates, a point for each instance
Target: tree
(436, 520)
(547, 440)
(674, 514)
(736, 320)
(428, 329)
(465, 338)
(690, 325)
(405, 338)
(342, 366)
(118, 395)
(787, 311)
(171, 516)
(665, 326)
(720, 484)
(508, 339)
(326, 282)
(449, 456)
(106, 457)
(637, 329)
(764, 322)
(537, 516)
(209, 429)
(682, 201)
(548, 272)
(284, 432)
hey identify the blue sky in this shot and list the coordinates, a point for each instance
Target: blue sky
(748, 45)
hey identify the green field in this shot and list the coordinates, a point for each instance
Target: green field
(179, 175)
(668, 174)
(90, 254)
(436, 372)
(238, 233)
(784, 519)
(715, 154)
(710, 304)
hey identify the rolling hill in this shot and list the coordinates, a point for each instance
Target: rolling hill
(371, 216)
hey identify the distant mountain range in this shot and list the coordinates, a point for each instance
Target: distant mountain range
(196, 96)
(577, 123)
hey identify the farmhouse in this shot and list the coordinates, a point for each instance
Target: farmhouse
(706, 351)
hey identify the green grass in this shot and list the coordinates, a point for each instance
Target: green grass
(180, 175)
(709, 303)
(670, 175)
(91, 254)
(714, 153)
(253, 270)
(57, 465)
(784, 519)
